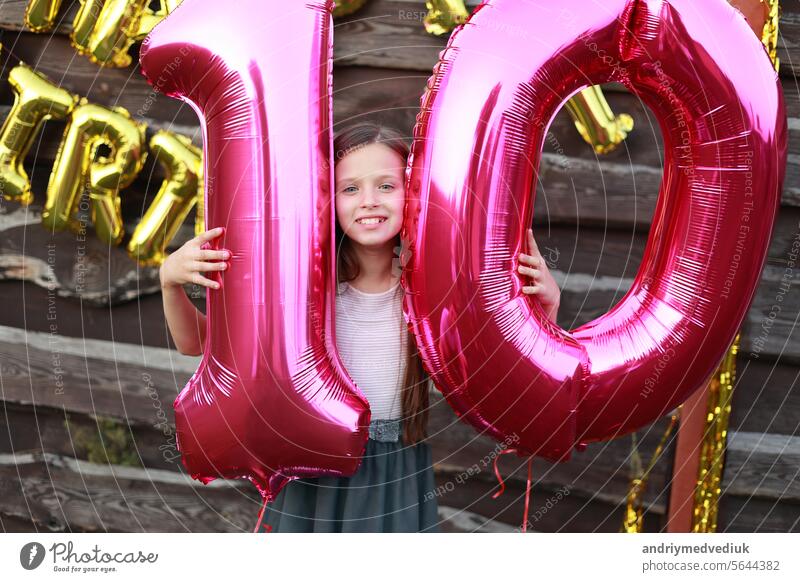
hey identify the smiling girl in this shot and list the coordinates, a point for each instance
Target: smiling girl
(393, 489)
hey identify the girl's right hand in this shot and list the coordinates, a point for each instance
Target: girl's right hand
(187, 263)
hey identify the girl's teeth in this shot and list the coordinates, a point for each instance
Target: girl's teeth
(371, 220)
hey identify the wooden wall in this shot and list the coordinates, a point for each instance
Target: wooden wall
(70, 357)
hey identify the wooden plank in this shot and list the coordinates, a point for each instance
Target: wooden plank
(621, 188)
(25, 429)
(46, 492)
(753, 515)
(61, 494)
(390, 33)
(766, 398)
(389, 96)
(552, 510)
(760, 470)
(80, 267)
(462, 521)
(789, 38)
(134, 383)
(70, 266)
(139, 322)
(117, 472)
(760, 490)
(151, 358)
(586, 297)
(762, 465)
(10, 524)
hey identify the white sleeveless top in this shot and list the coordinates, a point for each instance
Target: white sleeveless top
(372, 339)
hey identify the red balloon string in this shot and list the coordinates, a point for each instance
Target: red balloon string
(497, 473)
(527, 496)
(261, 517)
(11, 54)
(503, 485)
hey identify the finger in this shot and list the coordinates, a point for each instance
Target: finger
(530, 290)
(529, 260)
(205, 267)
(528, 271)
(198, 279)
(208, 255)
(209, 235)
(534, 248)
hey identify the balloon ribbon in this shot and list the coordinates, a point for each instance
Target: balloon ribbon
(503, 485)
(261, 517)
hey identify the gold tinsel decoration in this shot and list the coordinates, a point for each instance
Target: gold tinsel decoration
(347, 7)
(634, 507)
(770, 34)
(444, 15)
(712, 453)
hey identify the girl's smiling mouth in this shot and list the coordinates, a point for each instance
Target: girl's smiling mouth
(371, 220)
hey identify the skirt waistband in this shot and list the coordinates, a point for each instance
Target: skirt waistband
(384, 430)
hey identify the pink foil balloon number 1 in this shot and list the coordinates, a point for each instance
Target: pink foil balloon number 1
(271, 400)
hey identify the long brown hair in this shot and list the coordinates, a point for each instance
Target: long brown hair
(415, 384)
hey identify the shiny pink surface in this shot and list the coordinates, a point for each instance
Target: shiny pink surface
(500, 364)
(271, 400)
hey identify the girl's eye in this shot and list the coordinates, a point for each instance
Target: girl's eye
(349, 190)
(390, 186)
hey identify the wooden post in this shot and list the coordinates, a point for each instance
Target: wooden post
(687, 462)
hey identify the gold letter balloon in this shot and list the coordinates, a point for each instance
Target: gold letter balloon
(182, 187)
(103, 30)
(40, 15)
(595, 121)
(79, 167)
(36, 99)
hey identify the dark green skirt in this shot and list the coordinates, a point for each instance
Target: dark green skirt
(393, 490)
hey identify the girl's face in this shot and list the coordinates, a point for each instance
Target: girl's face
(370, 194)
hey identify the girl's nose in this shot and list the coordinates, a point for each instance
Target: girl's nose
(370, 197)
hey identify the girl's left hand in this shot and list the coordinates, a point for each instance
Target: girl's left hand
(543, 284)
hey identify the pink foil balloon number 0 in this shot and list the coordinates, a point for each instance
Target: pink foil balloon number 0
(479, 139)
(271, 400)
